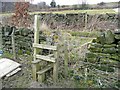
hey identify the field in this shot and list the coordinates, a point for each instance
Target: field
(94, 11)
(99, 11)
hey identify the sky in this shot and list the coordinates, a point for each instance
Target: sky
(71, 2)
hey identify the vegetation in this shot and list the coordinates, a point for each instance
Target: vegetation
(92, 34)
(92, 12)
(53, 4)
(80, 53)
(101, 3)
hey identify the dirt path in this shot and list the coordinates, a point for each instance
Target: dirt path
(22, 78)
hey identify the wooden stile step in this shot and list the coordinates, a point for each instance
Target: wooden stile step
(46, 58)
(36, 61)
(50, 55)
(45, 69)
(42, 46)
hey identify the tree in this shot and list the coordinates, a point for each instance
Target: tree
(101, 3)
(58, 6)
(21, 16)
(119, 4)
(53, 4)
(84, 4)
(75, 7)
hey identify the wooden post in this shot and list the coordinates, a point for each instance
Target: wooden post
(86, 20)
(35, 68)
(36, 33)
(55, 65)
(0, 37)
(13, 44)
(36, 40)
(41, 77)
(66, 59)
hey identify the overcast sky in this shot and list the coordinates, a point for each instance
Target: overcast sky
(71, 2)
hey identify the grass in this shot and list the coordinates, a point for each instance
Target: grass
(95, 11)
(23, 80)
(85, 40)
(92, 12)
(91, 34)
(7, 55)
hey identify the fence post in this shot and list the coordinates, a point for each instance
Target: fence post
(0, 37)
(66, 59)
(56, 64)
(36, 33)
(36, 40)
(86, 20)
(13, 43)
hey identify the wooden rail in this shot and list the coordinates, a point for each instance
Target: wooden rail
(45, 69)
(42, 46)
(46, 58)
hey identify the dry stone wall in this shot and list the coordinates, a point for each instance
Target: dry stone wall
(104, 57)
(77, 21)
(23, 40)
(105, 50)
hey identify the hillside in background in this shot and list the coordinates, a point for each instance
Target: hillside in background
(9, 6)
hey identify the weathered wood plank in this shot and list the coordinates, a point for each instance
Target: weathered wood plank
(35, 68)
(13, 72)
(41, 77)
(36, 61)
(50, 55)
(7, 66)
(42, 46)
(46, 58)
(36, 32)
(55, 66)
(45, 69)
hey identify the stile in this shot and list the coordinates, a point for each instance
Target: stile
(45, 69)
(41, 77)
(36, 61)
(36, 40)
(49, 47)
(36, 33)
(39, 60)
(55, 67)
(46, 58)
(35, 68)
